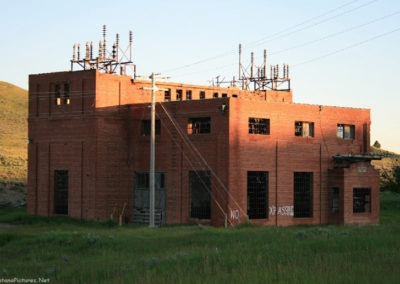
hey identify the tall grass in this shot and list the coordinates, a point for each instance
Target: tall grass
(73, 251)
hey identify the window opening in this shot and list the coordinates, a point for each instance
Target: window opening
(215, 95)
(178, 94)
(259, 126)
(224, 95)
(202, 95)
(199, 125)
(361, 200)
(66, 99)
(304, 129)
(167, 95)
(188, 95)
(57, 94)
(257, 195)
(61, 192)
(200, 197)
(335, 200)
(346, 131)
(303, 192)
(145, 129)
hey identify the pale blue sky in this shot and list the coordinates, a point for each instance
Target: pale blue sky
(341, 53)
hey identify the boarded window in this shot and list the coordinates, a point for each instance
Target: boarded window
(303, 193)
(259, 126)
(346, 131)
(145, 128)
(200, 194)
(202, 95)
(361, 200)
(304, 129)
(199, 125)
(257, 195)
(61, 192)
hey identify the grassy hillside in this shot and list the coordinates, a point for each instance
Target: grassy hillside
(13, 133)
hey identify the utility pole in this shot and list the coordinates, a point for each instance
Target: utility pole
(153, 89)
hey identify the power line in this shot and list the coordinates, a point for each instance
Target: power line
(347, 47)
(224, 54)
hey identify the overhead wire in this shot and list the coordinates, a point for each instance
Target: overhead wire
(278, 35)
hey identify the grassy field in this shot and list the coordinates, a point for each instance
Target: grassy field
(65, 250)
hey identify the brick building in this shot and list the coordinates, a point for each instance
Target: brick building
(223, 155)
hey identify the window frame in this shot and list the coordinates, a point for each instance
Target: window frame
(258, 125)
(300, 129)
(361, 200)
(257, 194)
(145, 127)
(199, 125)
(341, 132)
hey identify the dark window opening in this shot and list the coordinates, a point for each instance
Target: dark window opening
(345, 131)
(361, 200)
(234, 96)
(179, 95)
(303, 193)
(61, 192)
(167, 95)
(259, 126)
(202, 95)
(199, 125)
(57, 94)
(143, 180)
(257, 195)
(215, 95)
(224, 95)
(66, 99)
(145, 129)
(188, 95)
(304, 129)
(200, 194)
(335, 200)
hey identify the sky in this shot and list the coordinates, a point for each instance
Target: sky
(340, 53)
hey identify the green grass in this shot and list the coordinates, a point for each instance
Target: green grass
(67, 250)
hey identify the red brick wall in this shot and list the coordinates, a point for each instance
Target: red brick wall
(97, 139)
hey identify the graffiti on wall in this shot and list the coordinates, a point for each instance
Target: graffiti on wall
(281, 210)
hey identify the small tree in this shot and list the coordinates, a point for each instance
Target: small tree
(377, 144)
(391, 179)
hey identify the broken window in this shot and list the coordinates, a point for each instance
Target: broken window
(361, 200)
(215, 95)
(335, 200)
(178, 94)
(200, 194)
(61, 192)
(145, 129)
(66, 99)
(57, 94)
(304, 129)
(188, 95)
(303, 194)
(258, 126)
(199, 125)
(257, 195)
(346, 131)
(167, 95)
(202, 95)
